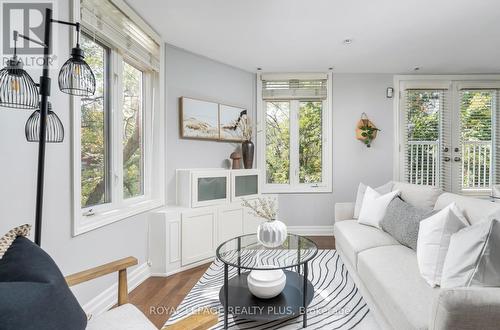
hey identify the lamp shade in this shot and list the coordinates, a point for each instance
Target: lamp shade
(55, 128)
(76, 76)
(17, 88)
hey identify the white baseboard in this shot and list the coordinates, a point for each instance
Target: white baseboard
(109, 297)
(311, 230)
(183, 268)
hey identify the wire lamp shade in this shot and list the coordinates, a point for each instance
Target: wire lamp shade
(54, 131)
(76, 77)
(17, 88)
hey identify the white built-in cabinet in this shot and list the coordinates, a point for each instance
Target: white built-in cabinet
(209, 213)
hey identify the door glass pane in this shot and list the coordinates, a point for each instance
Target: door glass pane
(94, 137)
(475, 133)
(133, 153)
(310, 141)
(423, 110)
(278, 142)
(246, 185)
(211, 188)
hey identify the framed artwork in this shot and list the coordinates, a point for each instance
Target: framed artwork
(199, 119)
(229, 117)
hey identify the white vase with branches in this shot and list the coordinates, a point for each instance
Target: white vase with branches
(271, 233)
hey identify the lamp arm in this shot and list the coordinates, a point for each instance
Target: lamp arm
(76, 25)
(28, 38)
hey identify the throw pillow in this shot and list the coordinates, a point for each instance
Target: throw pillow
(374, 207)
(402, 220)
(418, 195)
(7, 239)
(34, 293)
(473, 257)
(383, 189)
(434, 239)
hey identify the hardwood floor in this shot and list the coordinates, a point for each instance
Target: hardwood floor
(157, 297)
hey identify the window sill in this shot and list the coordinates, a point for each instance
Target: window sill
(271, 189)
(88, 223)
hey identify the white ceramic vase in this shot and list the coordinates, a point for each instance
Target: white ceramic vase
(266, 284)
(272, 234)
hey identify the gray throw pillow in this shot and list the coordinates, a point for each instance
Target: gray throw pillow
(402, 220)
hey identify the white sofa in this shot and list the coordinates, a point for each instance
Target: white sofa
(388, 277)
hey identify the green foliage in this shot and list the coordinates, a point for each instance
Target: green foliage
(310, 142)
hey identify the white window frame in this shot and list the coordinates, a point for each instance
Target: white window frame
(450, 82)
(327, 160)
(153, 135)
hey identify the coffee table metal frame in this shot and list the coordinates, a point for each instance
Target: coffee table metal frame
(304, 263)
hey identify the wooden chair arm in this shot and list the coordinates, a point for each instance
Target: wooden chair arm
(119, 266)
(199, 321)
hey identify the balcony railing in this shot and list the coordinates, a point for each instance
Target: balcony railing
(422, 164)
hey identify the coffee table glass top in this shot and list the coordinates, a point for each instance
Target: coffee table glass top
(248, 253)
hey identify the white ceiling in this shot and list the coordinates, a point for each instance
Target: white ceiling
(389, 36)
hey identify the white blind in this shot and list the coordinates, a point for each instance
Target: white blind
(426, 134)
(103, 19)
(294, 89)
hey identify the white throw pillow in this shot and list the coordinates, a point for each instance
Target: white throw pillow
(374, 207)
(418, 195)
(434, 239)
(383, 189)
(473, 258)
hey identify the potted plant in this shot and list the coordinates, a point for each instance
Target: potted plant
(366, 131)
(271, 233)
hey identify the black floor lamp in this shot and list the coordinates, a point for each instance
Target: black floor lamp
(19, 91)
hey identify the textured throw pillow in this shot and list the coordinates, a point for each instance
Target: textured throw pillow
(7, 239)
(384, 189)
(34, 293)
(473, 257)
(402, 220)
(434, 239)
(418, 195)
(374, 207)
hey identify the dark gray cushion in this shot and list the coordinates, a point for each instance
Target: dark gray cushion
(34, 293)
(402, 221)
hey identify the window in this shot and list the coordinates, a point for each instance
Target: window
(94, 129)
(295, 118)
(118, 147)
(448, 134)
(133, 167)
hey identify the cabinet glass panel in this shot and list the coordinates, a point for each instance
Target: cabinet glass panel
(246, 185)
(211, 188)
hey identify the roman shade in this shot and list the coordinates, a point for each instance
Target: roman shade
(298, 87)
(104, 20)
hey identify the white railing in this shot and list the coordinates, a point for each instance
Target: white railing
(476, 165)
(422, 163)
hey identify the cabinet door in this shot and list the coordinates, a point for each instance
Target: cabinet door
(198, 235)
(229, 223)
(250, 222)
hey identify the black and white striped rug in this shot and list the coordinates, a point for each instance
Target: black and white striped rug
(337, 303)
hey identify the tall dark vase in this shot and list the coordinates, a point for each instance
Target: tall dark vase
(247, 149)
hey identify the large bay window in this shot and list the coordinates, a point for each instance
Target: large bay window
(117, 147)
(294, 128)
(448, 132)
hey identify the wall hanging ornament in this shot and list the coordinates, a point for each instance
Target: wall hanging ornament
(366, 131)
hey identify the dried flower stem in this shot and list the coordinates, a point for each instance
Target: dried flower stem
(262, 207)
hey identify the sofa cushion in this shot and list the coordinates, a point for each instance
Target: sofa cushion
(383, 189)
(476, 210)
(402, 220)
(391, 275)
(125, 317)
(418, 195)
(34, 293)
(353, 237)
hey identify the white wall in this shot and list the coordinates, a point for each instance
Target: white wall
(352, 161)
(196, 76)
(18, 184)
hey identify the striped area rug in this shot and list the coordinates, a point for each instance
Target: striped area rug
(337, 303)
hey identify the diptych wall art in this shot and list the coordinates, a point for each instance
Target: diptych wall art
(206, 120)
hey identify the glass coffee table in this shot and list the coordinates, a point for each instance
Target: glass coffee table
(247, 253)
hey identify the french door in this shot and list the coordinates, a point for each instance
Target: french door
(449, 135)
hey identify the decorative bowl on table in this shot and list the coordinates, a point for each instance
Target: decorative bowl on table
(266, 284)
